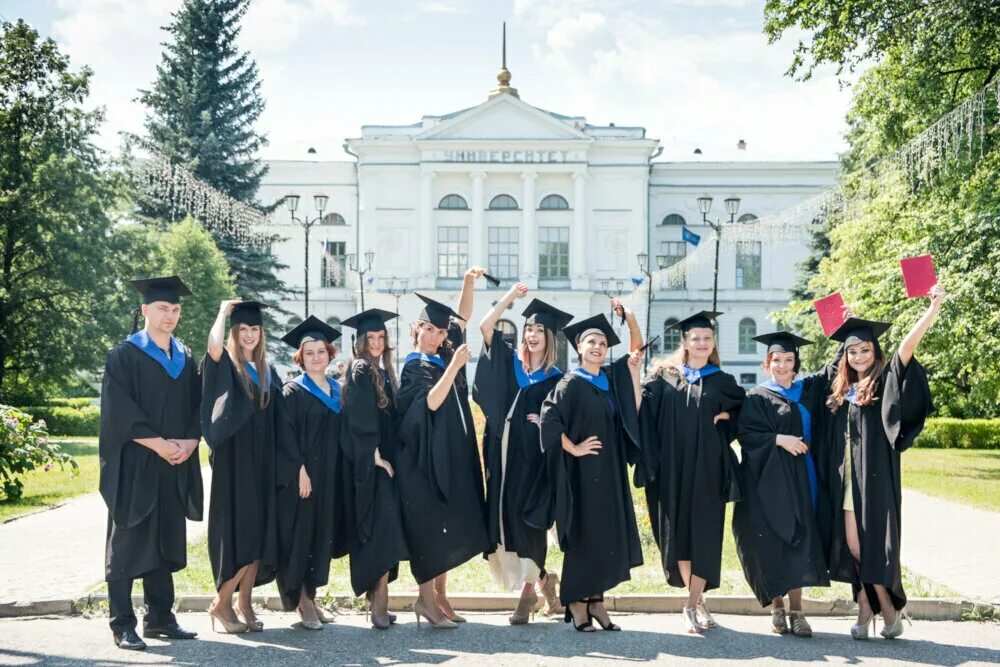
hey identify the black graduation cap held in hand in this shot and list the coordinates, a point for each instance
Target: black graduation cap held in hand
(492, 280)
(247, 312)
(703, 320)
(436, 312)
(311, 329)
(595, 324)
(782, 341)
(539, 312)
(165, 288)
(373, 319)
(856, 330)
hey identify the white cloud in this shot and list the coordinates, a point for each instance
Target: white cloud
(440, 7)
(273, 26)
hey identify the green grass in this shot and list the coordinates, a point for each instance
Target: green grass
(47, 489)
(967, 476)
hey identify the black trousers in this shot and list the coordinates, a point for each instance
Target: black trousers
(158, 592)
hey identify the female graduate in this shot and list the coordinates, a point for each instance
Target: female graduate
(370, 444)
(510, 387)
(440, 477)
(241, 420)
(778, 538)
(590, 433)
(311, 526)
(878, 410)
(687, 427)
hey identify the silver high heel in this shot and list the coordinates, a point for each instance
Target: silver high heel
(896, 629)
(704, 618)
(859, 631)
(691, 621)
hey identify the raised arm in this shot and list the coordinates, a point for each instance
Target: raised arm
(217, 335)
(634, 332)
(909, 344)
(468, 287)
(439, 392)
(489, 321)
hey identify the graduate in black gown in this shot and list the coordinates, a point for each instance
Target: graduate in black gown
(150, 475)
(510, 386)
(242, 420)
(776, 527)
(878, 409)
(370, 444)
(590, 433)
(688, 420)
(312, 528)
(440, 476)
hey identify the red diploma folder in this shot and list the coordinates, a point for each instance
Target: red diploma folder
(918, 274)
(831, 312)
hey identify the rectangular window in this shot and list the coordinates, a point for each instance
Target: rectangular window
(748, 379)
(502, 252)
(332, 265)
(748, 265)
(553, 253)
(674, 251)
(453, 251)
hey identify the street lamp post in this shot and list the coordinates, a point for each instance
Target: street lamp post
(398, 288)
(353, 265)
(705, 205)
(646, 269)
(319, 202)
(617, 291)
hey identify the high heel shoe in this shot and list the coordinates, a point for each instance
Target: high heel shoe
(611, 626)
(253, 625)
(586, 626)
(896, 628)
(525, 610)
(859, 631)
(448, 612)
(323, 616)
(378, 622)
(444, 624)
(548, 589)
(228, 627)
(690, 615)
(704, 618)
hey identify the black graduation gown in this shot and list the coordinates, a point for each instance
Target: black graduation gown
(243, 439)
(778, 537)
(879, 433)
(496, 391)
(591, 498)
(373, 508)
(311, 531)
(148, 499)
(690, 467)
(440, 476)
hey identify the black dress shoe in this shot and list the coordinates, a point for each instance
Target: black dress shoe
(129, 641)
(170, 631)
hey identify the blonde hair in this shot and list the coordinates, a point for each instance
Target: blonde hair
(259, 360)
(867, 383)
(548, 361)
(671, 362)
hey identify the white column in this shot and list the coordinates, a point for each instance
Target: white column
(528, 237)
(477, 235)
(423, 267)
(578, 234)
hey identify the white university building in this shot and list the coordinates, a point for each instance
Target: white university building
(542, 198)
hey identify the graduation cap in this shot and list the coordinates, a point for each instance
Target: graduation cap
(596, 324)
(539, 312)
(311, 329)
(247, 312)
(166, 288)
(436, 312)
(703, 320)
(373, 319)
(782, 341)
(856, 330)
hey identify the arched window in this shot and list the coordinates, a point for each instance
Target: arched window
(674, 219)
(454, 202)
(747, 217)
(748, 329)
(333, 321)
(508, 331)
(553, 203)
(294, 321)
(503, 203)
(333, 219)
(671, 339)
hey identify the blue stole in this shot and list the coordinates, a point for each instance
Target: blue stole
(252, 372)
(693, 375)
(794, 394)
(852, 396)
(432, 358)
(331, 400)
(534, 377)
(600, 380)
(173, 365)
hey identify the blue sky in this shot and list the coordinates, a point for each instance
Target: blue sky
(693, 72)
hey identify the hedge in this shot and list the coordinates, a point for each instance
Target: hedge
(951, 433)
(62, 420)
(69, 402)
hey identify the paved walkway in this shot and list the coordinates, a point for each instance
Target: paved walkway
(58, 554)
(487, 639)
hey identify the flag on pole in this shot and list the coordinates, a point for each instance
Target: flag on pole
(690, 236)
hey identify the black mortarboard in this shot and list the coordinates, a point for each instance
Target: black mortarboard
(539, 312)
(166, 288)
(312, 328)
(782, 341)
(703, 320)
(373, 319)
(436, 312)
(575, 332)
(856, 330)
(247, 312)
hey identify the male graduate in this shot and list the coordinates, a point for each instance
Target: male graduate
(150, 475)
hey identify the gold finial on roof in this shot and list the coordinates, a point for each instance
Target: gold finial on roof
(503, 76)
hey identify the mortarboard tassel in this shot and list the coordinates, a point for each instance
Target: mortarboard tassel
(492, 280)
(135, 320)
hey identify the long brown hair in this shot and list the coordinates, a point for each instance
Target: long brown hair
(670, 363)
(259, 360)
(548, 361)
(446, 350)
(867, 383)
(361, 351)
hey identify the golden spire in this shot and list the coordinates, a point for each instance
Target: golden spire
(503, 76)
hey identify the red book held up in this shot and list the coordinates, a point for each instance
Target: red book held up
(831, 312)
(918, 274)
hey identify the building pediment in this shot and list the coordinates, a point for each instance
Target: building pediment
(504, 117)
